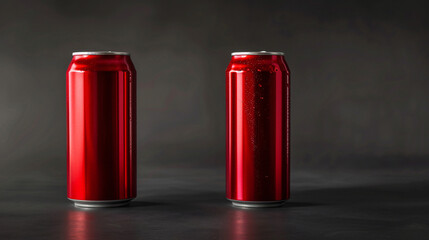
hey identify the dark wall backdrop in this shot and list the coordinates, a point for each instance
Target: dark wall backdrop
(359, 77)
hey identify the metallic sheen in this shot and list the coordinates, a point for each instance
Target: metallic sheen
(257, 137)
(256, 53)
(101, 128)
(100, 53)
(100, 204)
(256, 204)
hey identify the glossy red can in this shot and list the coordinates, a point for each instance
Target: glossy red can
(101, 129)
(257, 129)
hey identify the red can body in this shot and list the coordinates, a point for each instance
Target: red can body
(257, 124)
(101, 127)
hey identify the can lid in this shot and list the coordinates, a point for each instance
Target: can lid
(256, 53)
(100, 53)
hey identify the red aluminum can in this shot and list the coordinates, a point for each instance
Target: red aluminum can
(101, 129)
(257, 129)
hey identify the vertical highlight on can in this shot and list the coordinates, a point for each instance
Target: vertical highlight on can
(257, 129)
(101, 129)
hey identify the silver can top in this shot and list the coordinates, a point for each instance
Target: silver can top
(257, 53)
(100, 53)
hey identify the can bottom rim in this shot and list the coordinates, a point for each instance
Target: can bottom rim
(257, 204)
(100, 203)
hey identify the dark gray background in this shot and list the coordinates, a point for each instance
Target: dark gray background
(359, 76)
(360, 109)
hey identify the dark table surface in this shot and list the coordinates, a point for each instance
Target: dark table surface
(190, 204)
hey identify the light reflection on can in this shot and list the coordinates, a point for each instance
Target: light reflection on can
(101, 129)
(258, 122)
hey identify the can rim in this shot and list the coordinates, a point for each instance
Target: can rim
(257, 53)
(100, 53)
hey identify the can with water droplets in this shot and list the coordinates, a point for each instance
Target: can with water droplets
(257, 129)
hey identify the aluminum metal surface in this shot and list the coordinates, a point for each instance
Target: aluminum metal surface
(100, 204)
(257, 124)
(257, 204)
(100, 53)
(256, 53)
(101, 128)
